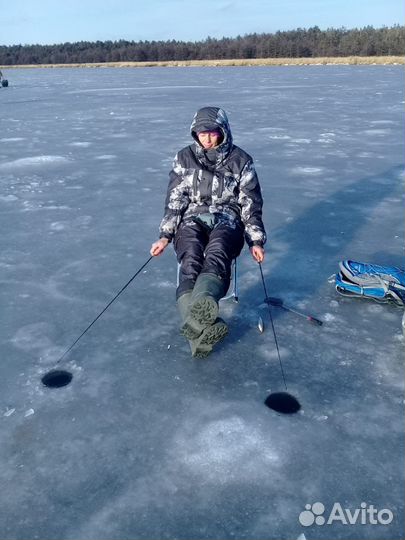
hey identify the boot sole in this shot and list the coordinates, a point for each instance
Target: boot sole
(202, 314)
(210, 337)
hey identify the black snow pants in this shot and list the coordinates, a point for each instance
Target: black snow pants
(201, 249)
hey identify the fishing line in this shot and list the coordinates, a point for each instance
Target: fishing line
(272, 326)
(281, 402)
(57, 378)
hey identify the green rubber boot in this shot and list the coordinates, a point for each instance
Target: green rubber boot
(202, 346)
(203, 311)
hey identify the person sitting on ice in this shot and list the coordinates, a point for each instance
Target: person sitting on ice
(213, 203)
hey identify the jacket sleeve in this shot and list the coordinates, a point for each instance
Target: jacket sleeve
(251, 203)
(177, 201)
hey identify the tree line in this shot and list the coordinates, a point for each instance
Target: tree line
(299, 43)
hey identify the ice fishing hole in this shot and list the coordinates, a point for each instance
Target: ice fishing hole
(57, 378)
(283, 402)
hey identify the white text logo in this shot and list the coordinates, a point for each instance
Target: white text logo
(365, 515)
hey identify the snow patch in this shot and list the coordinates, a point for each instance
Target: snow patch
(307, 170)
(34, 161)
(57, 226)
(8, 198)
(224, 450)
(281, 137)
(143, 88)
(301, 141)
(31, 337)
(376, 131)
(83, 144)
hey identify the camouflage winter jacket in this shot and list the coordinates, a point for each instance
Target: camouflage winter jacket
(222, 181)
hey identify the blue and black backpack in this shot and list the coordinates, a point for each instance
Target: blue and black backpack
(363, 280)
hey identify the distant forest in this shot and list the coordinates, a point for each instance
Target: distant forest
(299, 43)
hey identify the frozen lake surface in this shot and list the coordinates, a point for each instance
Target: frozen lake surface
(146, 443)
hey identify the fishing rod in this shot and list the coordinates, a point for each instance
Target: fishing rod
(104, 310)
(278, 302)
(57, 378)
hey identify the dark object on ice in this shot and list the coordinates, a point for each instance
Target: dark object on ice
(4, 82)
(57, 378)
(279, 303)
(283, 402)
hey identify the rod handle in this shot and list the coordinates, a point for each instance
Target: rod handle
(314, 320)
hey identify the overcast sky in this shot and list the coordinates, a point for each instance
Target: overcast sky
(52, 21)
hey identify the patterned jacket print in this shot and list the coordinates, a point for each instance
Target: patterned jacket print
(221, 181)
